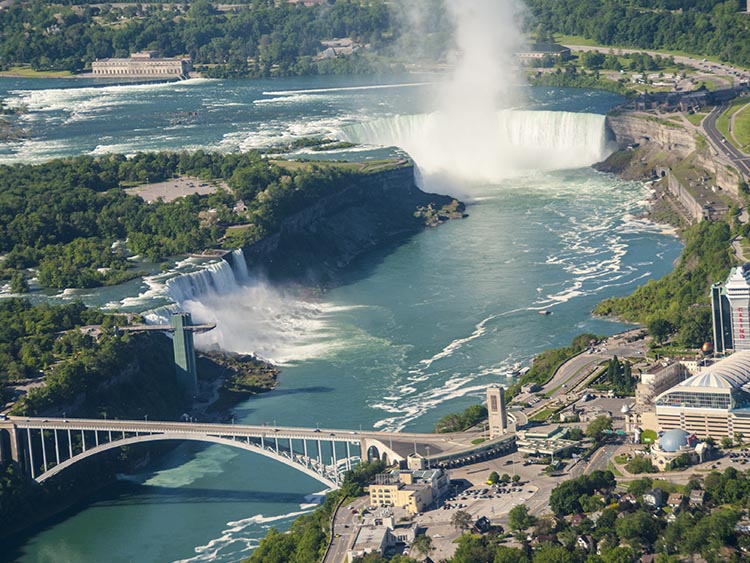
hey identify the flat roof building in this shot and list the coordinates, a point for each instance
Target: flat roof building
(412, 490)
(142, 65)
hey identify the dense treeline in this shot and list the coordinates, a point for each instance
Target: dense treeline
(30, 339)
(571, 78)
(700, 26)
(462, 421)
(254, 40)
(64, 216)
(81, 371)
(678, 303)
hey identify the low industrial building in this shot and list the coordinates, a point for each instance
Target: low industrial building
(412, 490)
(715, 402)
(142, 65)
(539, 51)
(545, 441)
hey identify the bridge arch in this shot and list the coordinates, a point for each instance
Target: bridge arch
(373, 454)
(251, 447)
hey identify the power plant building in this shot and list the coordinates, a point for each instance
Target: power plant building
(715, 402)
(730, 310)
(142, 65)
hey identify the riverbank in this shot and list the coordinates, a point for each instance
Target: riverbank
(145, 387)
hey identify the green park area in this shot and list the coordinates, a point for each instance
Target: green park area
(734, 124)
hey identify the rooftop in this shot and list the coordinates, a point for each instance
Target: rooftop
(730, 373)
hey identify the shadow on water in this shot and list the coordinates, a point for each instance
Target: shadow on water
(124, 493)
(148, 494)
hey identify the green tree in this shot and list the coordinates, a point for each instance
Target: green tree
(640, 464)
(637, 529)
(493, 478)
(423, 545)
(505, 554)
(598, 428)
(461, 520)
(519, 518)
(18, 283)
(549, 553)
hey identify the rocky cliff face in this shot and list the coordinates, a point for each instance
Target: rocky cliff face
(629, 130)
(649, 146)
(315, 244)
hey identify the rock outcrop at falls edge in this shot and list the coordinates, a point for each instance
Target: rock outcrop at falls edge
(376, 209)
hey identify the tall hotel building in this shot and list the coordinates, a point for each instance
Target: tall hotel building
(730, 307)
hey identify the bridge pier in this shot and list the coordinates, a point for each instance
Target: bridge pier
(31, 453)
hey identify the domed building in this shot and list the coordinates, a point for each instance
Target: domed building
(673, 440)
(674, 443)
(715, 402)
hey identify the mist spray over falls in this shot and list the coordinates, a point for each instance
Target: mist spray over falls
(473, 134)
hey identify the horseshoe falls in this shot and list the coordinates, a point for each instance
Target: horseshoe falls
(515, 142)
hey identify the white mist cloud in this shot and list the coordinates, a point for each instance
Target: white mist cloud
(473, 135)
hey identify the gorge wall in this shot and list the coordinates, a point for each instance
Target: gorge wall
(659, 144)
(373, 210)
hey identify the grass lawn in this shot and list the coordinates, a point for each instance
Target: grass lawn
(613, 469)
(741, 129)
(742, 124)
(28, 72)
(542, 415)
(696, 118)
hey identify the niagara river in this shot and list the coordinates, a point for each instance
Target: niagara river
(408, 334)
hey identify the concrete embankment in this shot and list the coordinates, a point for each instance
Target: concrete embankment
(692, 178)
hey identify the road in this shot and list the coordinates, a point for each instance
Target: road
(722, 145)
(345, 527)
(575, 370)
(681, 59)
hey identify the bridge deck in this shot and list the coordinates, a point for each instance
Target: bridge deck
(402, 443)
(169, 328)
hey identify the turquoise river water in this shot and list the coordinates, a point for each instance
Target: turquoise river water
(412, 333)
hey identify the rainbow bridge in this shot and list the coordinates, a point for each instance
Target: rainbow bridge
(44, 447)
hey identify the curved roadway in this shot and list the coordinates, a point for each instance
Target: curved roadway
(721, 144)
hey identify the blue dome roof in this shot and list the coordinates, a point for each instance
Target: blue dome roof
(673, 440)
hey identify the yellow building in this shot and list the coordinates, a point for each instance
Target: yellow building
(412, 490)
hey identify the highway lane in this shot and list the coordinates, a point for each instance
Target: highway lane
(722, 145)
(345, 528)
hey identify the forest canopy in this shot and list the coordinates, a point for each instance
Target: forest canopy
(65, 216)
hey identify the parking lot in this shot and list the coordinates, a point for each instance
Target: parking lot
(494, 502)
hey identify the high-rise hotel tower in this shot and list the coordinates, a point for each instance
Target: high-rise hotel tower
(730, 308)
